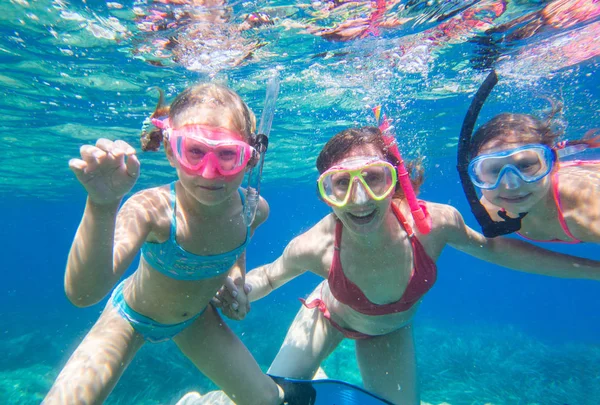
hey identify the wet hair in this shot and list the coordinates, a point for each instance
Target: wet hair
(338, 147)
(207, 95)
(523, 128)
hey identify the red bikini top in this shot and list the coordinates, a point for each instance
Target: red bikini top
(423, 277)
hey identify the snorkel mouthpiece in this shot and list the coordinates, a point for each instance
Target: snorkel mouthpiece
(419, 214)
(261, 145)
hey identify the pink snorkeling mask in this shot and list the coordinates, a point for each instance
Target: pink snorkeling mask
(207, 151)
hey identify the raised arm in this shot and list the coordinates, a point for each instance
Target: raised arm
(516, 254)
(104, 247)
(105, 243)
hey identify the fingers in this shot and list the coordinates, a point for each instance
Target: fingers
(231, 286)
(247, 288)
(116, 148)
(229, 300)
(106, 150)
(216, 302)
(78, 167)
(225, 296)
(92, 156)
(133, 166)
(124, 146)
(235, 315)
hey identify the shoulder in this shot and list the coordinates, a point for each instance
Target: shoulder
(579, 189)
(262, 213)
(579, 185)
(315, 242)
(447, 223)
(443, 215)
(149, 205)
(151, 197)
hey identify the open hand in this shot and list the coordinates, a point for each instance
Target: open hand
(107, 171)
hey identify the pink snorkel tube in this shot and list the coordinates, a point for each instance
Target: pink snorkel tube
(418, 211)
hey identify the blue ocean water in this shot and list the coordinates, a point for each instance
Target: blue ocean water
(484, 334)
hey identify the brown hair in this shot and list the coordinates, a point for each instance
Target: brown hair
(343, 142)
(524, 128)
(208, 95)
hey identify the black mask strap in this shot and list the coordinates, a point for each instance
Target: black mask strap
(261, 143)
(489, 227)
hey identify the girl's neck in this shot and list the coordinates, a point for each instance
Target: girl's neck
(386, 234)
(545, 208)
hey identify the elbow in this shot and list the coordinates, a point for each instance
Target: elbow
(81, 300)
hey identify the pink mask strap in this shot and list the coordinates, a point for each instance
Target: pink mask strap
(388, 140)
(392, 146)
(162, 124)
(591, 139)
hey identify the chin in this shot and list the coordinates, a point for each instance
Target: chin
(212, 198)
(517, 205)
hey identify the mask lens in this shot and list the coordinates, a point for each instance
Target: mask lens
(229, 157)
(530, 163)
(193, 152)
(336, 185)
(377, 179)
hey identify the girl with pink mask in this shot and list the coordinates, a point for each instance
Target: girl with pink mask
(192, 235)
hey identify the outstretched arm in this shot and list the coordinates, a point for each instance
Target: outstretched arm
(294, 261)
(297, 257)
(517, 254)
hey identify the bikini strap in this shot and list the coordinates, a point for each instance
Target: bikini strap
(561, 218)
(173, 197)
(338, 236)
(407, 228)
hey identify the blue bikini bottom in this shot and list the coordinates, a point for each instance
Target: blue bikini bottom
(152, 331)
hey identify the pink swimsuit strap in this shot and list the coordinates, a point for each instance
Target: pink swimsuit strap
(320, 305)
(559, 208)
(423, 277)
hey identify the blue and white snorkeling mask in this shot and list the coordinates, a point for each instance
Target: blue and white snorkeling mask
(530, 163)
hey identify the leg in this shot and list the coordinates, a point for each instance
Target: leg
(222, 357)
(98, 362)
(309, 341)
(388, 366)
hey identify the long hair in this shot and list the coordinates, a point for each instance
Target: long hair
(208, 95)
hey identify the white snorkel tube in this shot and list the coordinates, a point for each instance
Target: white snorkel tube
(261, 145)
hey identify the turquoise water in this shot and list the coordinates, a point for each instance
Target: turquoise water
(71, 72)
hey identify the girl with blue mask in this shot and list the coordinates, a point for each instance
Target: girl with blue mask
(522, 171)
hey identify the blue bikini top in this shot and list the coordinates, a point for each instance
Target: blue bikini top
(173, 261)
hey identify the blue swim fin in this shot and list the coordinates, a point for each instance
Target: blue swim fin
(325, 392)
